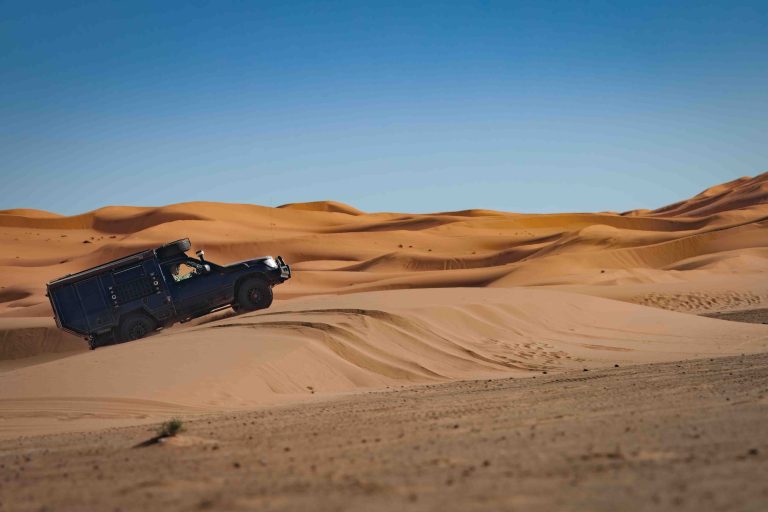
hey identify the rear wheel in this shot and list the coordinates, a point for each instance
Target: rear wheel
(135, 326)
(253, 294)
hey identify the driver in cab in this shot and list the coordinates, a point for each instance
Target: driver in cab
(190, 270)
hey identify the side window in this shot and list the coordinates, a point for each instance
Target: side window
(182, 271)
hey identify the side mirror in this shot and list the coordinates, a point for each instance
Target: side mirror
(201, 254)
(206, 268)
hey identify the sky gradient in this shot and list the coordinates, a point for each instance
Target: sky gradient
(388, 106)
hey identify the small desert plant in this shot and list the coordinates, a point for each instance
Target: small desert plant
(170, 428)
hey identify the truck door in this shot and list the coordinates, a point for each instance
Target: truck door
(192, 289)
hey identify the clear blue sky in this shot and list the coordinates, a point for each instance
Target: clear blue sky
(389, 106)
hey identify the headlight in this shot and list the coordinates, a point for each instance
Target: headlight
(270, 262)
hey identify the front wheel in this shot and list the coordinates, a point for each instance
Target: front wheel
(253, 294)
(135, 326)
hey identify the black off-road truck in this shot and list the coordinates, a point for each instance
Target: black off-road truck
(130, 297)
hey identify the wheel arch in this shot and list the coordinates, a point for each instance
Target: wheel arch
(136, 311)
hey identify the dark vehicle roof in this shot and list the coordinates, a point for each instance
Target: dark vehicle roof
(71, 278)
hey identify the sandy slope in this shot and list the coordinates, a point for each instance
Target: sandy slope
(341, 343)
(686, 436)
(502, 294)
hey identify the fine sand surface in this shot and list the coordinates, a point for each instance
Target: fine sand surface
(380, 302)
(684, 436)
(333, 344)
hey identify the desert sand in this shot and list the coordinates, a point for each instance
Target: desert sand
(684, 436)
(383, 301)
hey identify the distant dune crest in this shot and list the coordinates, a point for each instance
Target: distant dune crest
(29, 212)
(741, 193)
(324, 206)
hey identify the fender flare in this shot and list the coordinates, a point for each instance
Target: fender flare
(142, 310)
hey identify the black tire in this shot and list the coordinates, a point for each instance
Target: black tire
(134, 327)
(253, 294)
(173, 249)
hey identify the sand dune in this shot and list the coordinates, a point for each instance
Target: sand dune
(344, 250)
(741, 193)
(323, 206)
(362, 341)
(503, 294)
(29, 212)
(22, 338)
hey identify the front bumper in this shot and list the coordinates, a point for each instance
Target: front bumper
(285, 270)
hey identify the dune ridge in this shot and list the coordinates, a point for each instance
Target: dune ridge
(740, 193)
(22, 338)
(323, 206)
